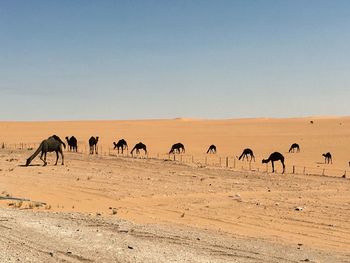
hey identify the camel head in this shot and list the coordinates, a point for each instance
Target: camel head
(264, 161)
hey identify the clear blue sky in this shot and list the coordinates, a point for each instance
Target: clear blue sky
(165, 59)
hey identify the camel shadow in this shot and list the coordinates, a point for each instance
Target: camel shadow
(23, 165)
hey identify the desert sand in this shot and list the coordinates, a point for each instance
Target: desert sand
(120, 209)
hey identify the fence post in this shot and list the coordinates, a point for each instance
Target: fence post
(227, 161)
(293, 169)
(206, 161)
(250, 166)
(174, 157)
(323, 172)
(234, 163)
(220, 161)
(181, 158)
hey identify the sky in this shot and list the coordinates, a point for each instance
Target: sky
(72, 60)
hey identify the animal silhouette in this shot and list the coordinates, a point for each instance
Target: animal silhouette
(276, 156)
(294, 147)
(52, 144)
(139, 146)
(120, 144)
(72, 144)
(246, 153)
(93, 144)
(327, 157)
(177, 147)
(212, 149)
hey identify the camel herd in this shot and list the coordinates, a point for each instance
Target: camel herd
(54, 144)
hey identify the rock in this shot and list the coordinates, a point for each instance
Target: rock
(299, 208)
(130, 247)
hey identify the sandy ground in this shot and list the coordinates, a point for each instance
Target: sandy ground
(94, 207)
(108, 209)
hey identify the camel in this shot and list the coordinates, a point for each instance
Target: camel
(93, 144)
(245, 154)
(139, 146)
(72, 144)
(121, 144)
(212, 149)
(327, 157)
(52, 144)
(293, 147)
(177, 147)
(276, 156)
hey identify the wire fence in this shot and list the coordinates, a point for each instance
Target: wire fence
(208, 160)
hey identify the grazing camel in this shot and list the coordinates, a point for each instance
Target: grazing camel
(177, 147)
(245, 154)
(212, 149)
(121, 144)
(327, 157)
(139, 146)
(72, 144)
(52, 144)
(93, 144)
(276, 156)
(293, 147)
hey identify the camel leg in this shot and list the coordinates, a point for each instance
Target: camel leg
(283, 166)
(41, 158)
(56, 157)
(273, 166)
(61, 152)
(96, 149)
(45, 163)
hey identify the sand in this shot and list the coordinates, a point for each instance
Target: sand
(247, 211)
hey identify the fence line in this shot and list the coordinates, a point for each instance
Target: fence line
(228, 162)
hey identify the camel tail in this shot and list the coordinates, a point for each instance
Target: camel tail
(30, 159)
(208, 150)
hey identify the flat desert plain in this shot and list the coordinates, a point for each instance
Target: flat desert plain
(108, 208)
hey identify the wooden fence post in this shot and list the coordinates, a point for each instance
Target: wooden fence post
(220, 161)
(322, 171)
(227, 161)
(206, 161)
(192, 159)
(293, 169)
(234, 162)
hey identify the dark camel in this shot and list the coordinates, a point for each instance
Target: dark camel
(52, 144)
(177, 147)
(294, 147)
(72, 144)
(247, 152)
(139, 146)
(121, 144)
(327, 157)
(276, 156)
(93, 144)
(212, 149)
